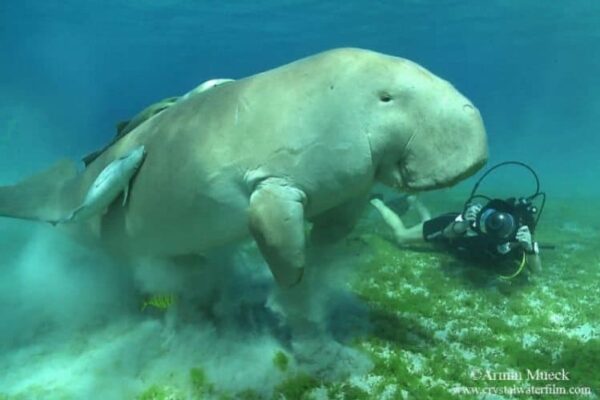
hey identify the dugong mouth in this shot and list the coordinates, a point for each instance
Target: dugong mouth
(412, 183)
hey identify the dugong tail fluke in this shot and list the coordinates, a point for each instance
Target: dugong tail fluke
(38, 197)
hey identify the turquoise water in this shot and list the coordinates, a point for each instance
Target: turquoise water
(71, 320)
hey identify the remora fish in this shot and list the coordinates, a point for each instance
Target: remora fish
(113, 180)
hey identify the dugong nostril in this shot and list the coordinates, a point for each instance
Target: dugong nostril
(468, 108)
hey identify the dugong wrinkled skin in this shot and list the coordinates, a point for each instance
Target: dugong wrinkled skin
(262, 155)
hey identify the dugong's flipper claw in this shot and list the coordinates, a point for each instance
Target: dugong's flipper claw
(276, 221)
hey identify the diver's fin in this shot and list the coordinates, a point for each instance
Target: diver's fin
(38, 197)
(276, 221)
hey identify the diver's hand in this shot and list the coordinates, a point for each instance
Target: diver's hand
(525, 239)
(471, 213)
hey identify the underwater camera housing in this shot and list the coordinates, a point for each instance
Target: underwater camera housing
(500, 219)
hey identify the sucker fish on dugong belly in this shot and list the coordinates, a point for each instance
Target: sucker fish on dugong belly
(114, 179)
(264, 154)
(124, 127)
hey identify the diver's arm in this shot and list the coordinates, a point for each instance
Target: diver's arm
(460, 225)
(402, 234)
(530, 247)
(456, 229)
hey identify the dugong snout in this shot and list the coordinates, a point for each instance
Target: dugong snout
(450, 148)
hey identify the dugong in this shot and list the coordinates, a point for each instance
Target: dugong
(260, 156)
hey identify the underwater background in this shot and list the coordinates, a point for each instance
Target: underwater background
(410, 323)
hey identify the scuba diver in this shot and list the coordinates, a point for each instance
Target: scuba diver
(499, 230)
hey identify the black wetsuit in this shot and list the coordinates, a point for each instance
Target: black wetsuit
(477, 248)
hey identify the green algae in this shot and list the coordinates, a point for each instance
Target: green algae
(346, 391)
(456, 317)
(298, 386)
(199, 382)
(281, 361)
(248, 394)
(435, 320)
(158, 392)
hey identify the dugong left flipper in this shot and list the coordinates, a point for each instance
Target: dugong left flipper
(276, 221)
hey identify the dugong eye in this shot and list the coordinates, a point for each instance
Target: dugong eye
(385, 97)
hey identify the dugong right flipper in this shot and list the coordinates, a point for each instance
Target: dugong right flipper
(276, 221)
